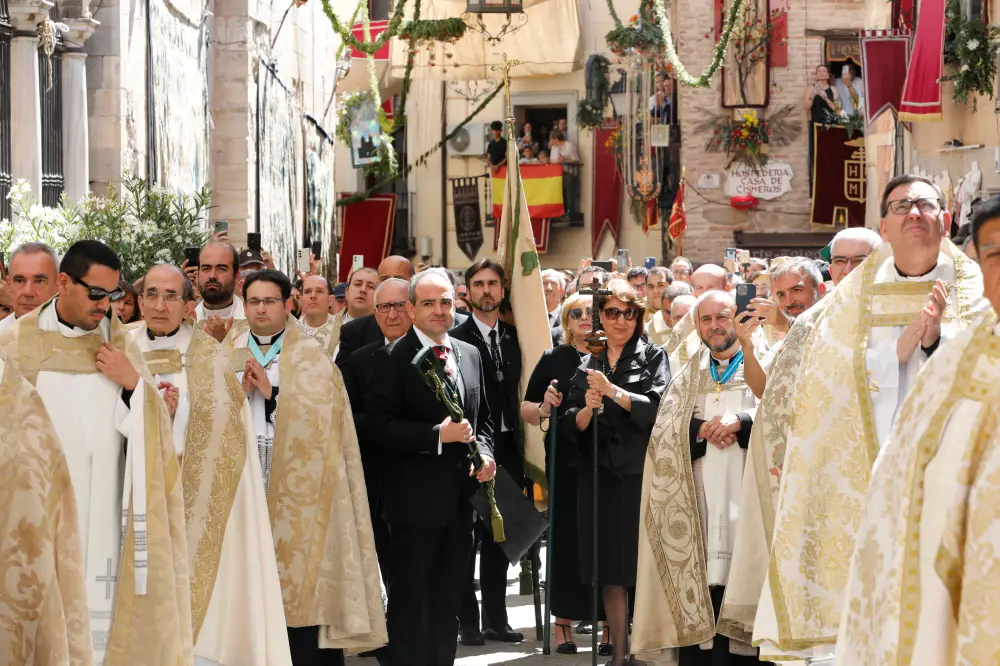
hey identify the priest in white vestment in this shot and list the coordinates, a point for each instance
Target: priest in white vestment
(690, 499)
(316, 320)
(107, 413)
(923, 581)
(44, 620)
(313, 478)
(882, 323)
(31, 279)
(237, 611)
(661, 324)
(765, 457)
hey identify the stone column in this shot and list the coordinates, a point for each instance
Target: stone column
(26, 103)
(76, 141)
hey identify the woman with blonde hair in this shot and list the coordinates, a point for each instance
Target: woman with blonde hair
(570, 597)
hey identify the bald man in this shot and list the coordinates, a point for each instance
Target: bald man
(316, 299)
(709, 277)
(396, 267)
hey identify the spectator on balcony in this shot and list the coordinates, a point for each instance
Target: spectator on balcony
(543, 157)
(561, 150)
(660, 102)
(543, 138)
(528, 156)
(496, 150)
(527, 139)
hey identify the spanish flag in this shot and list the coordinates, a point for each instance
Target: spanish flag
(519, 257)
(542, 188)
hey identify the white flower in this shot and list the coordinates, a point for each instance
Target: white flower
(964, 69)
(162, 255)
(972, 44)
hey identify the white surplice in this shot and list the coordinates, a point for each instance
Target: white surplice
(234, 311)
(261, 428)
(245, 621)
(92, 423)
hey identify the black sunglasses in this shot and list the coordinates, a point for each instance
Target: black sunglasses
(578, 313)
(614, 314)
(97, 294)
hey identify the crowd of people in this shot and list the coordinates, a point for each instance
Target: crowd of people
(796, 458)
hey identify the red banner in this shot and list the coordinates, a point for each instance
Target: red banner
(885, 56)
(922, 92)
(368, 228)
(839, 178)
(778, 48)
(375, 29)
(539, 229)
(608, 184)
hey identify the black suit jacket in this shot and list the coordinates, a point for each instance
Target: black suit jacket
(357, 376)
(502, 396)
(363, 331)
(403, 416)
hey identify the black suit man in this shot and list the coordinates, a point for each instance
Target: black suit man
(393, 322)
(501, 353)
(357, 333)
(426, 502)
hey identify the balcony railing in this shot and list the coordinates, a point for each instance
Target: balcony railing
(573, 217)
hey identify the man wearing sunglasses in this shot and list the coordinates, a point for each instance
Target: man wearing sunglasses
(882, 324)
(100, 396)
(305, 438)
(213, 435)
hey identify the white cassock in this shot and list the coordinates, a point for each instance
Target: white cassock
(93, 423)
(7, 322)
(234, 311)
(245, 621)
(262, 427)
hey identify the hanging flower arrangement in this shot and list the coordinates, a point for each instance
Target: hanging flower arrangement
(747, 139)
(426, 33)
(970, 49)
(642, 35)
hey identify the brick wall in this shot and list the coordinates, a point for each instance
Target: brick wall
(711, 221)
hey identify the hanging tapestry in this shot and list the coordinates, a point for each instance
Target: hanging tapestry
(367, 231)
(319, 185)
(885, 56)
(922, 92)
(277, 127)
(608, 188)
(468, 218)
(178, 44)
(748, 85)
(838, 188)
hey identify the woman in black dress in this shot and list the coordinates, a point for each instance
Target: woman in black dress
(624, 396)
(823, 106)
(570, 598)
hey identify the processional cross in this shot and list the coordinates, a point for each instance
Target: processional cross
(597, 342)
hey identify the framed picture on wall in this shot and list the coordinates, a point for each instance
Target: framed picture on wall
(366, 135)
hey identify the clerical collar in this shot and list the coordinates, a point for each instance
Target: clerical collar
(225, 312)
(153, 336)
(267, 339)
(310, 328)
(904, 276)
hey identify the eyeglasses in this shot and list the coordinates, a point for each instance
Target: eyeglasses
(395, 306)
(841, 262)
(169, 298)
(614, 314)
(97, 294)
(267, 302)
(904, 206)
(579, 313)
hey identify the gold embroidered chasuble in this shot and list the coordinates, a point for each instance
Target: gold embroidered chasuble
(924, 579)
(658, 330)
(761, 480)
(318, 503)
(831, 445)
(673, 606)
(327, 335)
(228, 530)
(673, 337)
(150, 627)
(44, 617)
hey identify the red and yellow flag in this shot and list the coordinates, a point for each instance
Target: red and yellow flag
(542, 188)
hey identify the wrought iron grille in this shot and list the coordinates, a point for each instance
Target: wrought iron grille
(50, 82)
(6, 32)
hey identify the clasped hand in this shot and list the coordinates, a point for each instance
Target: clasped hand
(721, 431)
(925, 328)
(171, 394)
(255, 378)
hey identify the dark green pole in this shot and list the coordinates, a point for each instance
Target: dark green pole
(551, 471)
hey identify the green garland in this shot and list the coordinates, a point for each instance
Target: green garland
(588, 115)
(680, 72)
(640, 35)
(367, 47)
(420, 161)
(433, 30)
(411, 53)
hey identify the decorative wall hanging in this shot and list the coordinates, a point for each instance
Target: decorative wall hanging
(747, 139)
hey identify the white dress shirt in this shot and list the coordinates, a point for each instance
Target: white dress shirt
(485, 331)
(451, 364)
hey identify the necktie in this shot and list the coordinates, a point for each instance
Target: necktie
(441, 352)
(495, 353)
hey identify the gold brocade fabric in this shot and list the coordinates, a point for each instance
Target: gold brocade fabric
(318, 503)
(761, 481)
(328, 335)
(164, 361)
(152, 629)
(673, 606)
(44, 618)
(658, 329)
(883, 605)
(832, 444)
(676, 335)
(215, 451)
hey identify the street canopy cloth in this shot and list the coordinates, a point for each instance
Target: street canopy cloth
(547, 44)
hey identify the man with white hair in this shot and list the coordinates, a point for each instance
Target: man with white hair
(31, 279)
(796, 286)
(691, 481)
(554, 285)
(849, 248)
(680, 306)
(661, 323)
